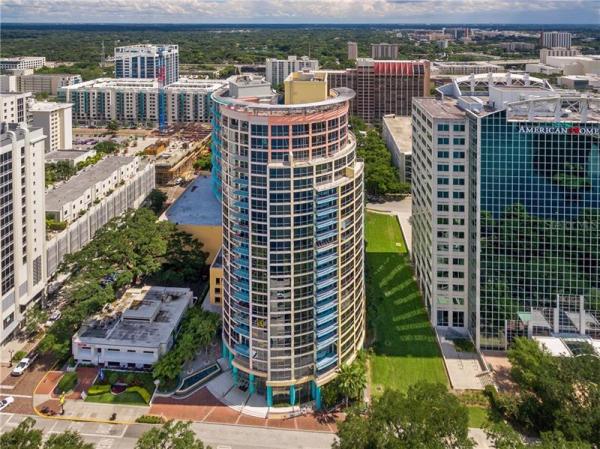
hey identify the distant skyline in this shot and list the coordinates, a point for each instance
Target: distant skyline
(568, 12)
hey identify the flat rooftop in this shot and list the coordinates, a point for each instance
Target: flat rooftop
(67, 155)
(48, 106)
(72, 189)
(444, 109)
(143, 317)
(196, 206)
(400, 129)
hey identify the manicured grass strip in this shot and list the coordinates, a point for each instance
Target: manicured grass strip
(478, 416)
(405, 347)
(127, 397)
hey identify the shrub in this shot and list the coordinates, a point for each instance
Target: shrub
(145, 395)
(130, 379)
(67, 382)
(464, 345)
(112, 377)
(18, 356)
(98, 389)
(150, 419)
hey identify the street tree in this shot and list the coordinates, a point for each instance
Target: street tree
(427, 416)
(505, 437)
(24, 436)
(172, 435)
(352, 380)
(157, 200)
(67, 440)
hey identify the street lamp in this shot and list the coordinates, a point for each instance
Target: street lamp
(10, 354)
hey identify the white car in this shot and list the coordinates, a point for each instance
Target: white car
(52, 318)
(6, 402)
(21, 367)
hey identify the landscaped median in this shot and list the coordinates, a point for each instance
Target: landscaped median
(405, 349)
(121, 387)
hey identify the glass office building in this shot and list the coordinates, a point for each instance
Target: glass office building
(539, 228)
(292, 194)
(506, 209)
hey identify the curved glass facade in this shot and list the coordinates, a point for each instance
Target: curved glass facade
(293, 287)
(540, 229)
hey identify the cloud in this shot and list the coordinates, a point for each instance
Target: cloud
(301, 11)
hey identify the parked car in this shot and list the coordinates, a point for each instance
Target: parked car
(52, 318)
(6, 402)
(21, 366)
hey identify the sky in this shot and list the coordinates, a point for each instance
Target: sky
(302, 11)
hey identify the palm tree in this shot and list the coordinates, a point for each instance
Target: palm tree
(352, 380)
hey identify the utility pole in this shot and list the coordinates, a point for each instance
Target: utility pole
(102, 56)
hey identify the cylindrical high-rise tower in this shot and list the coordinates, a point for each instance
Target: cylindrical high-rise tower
(293, 234)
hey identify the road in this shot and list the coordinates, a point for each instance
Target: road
(218, 436)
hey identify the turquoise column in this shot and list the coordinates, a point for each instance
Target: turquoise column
(317, 397)
(251, 387)
(224, 350)
(230, 359)
(292, 394)
(235, 375)
(312, 389)
(269, 396)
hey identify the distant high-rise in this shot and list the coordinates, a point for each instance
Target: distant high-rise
(293, 235)
(382, 87)
(384, 51)
(506, 207)
(277, 70)
(146, 61)
(13, 107)
(352, 51)
(550, 39)
(56, 121)
(22, 222)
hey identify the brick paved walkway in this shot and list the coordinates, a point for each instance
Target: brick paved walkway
(202, 406)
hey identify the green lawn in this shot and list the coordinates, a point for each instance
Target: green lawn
(478, 416)
(405, 348)
(134, 380)
(127, 397)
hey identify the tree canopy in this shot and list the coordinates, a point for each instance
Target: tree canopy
(172, 435)
(427, 416)
(127, 249)
(25, 436)
(556, 394)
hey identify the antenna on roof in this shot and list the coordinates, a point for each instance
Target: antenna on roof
(102, 56)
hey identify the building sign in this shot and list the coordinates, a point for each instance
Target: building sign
(560, 130)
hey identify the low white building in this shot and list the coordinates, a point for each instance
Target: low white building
(57, 122)
(46, 83)
(22, 62)
(277, 70)
(397, 134)
(69, 200)
(135, 331)
(73, 157)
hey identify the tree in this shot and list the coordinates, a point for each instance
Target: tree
(34, 318)
(172, 435)
(112, 125)
(426, 417)
(352, 380)
(67, 440)
(556, 394)
(505, 437)
(157, 200)
(24, 436)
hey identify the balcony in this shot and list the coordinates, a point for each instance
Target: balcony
(326, 360)
(325, 224)
(326, 294)
(326, 317)
(324, 283)
(242, 349)
(327, 200)
(325, 270)
(240, 250)
(327, 304)
(241, 273)
(241, 181)
(322, 331)
(326, 212)
(327, 235)
(242, 329)
(242, 262)
(240, 192)
(241, 204)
